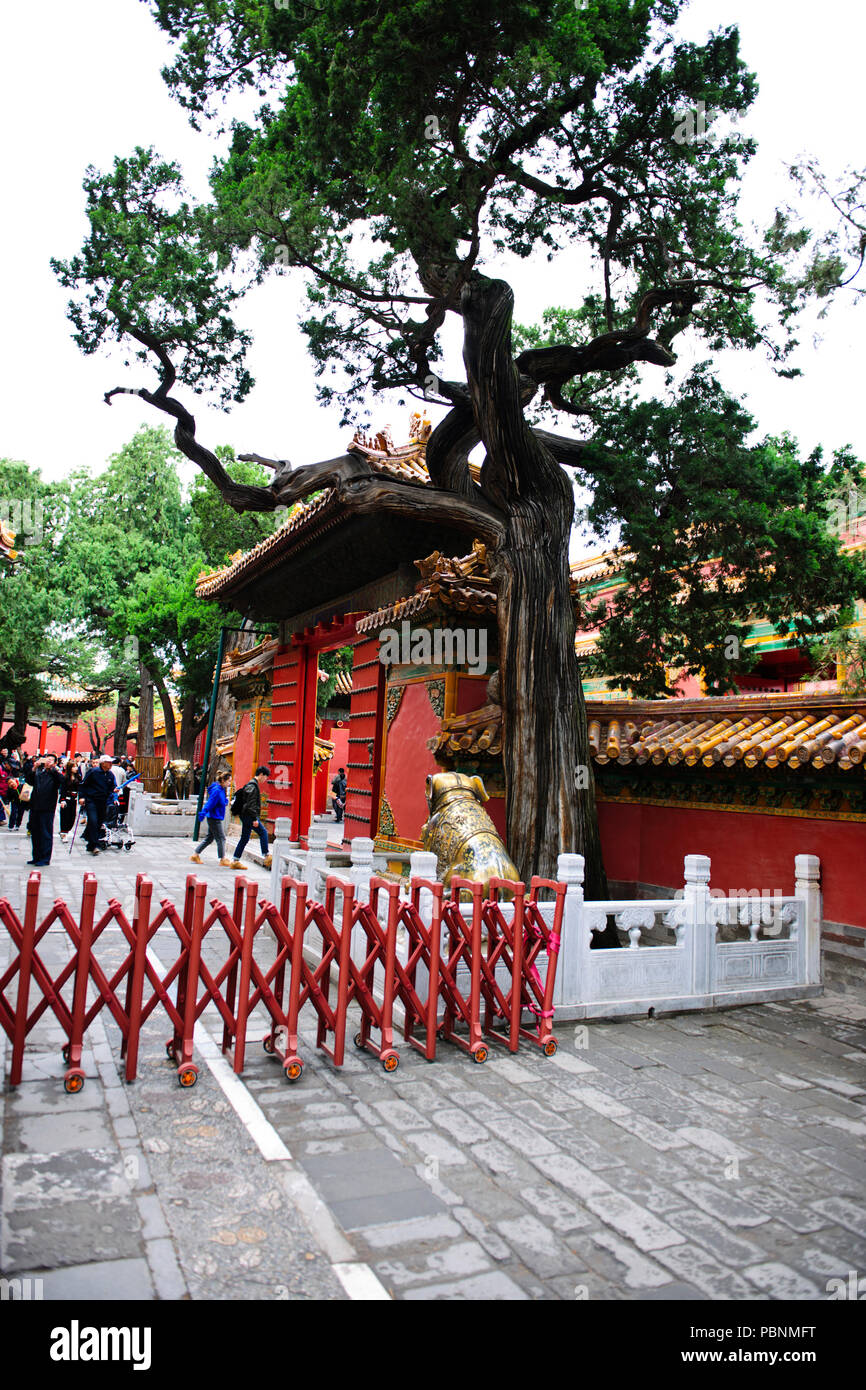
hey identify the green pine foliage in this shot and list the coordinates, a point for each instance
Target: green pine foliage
(29, 590)
(717, 532)
(222, 531)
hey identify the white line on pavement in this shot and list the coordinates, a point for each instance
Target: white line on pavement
(360, 1282)
(358, 1279)
(255, 1122)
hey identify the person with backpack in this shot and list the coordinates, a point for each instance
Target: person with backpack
(338, 787)
(214, 811)
(247, 804)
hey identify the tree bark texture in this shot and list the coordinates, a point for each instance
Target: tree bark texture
(226, 706)
(191, 725)
(145, 713)
(545, 736)
(121, 724)
(22, 714)
(167, 714)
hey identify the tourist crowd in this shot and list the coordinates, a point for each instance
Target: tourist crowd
(93, 790)
(83, 785)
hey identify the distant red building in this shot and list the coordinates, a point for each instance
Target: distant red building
(64, 723)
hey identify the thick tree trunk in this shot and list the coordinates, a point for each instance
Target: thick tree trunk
(223, 727)
(145, 713)
(168, 715)
(550, 794)
(191, 726)
(224, 715)
(121, 724)
(22, 714)
(545, 736)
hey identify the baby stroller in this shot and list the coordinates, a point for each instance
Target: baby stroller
(114, 833)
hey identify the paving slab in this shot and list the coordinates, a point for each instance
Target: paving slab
(99, 1281)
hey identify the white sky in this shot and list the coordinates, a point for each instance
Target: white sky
(80, 82)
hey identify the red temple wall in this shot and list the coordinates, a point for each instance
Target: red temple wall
(647, 844)
(495, 809)
(263, 756)
(471, 693)
(338, 734)
(408, 761)
(320, 790)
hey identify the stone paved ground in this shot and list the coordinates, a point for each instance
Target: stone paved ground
(704, 1156)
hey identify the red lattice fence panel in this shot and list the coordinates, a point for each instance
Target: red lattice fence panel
(213, 955)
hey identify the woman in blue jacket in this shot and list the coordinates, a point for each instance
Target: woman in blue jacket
(214, 809)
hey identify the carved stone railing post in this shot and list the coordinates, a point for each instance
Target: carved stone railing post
(569, 870)
(699, 922)
(422, 864)
(283, 850)
(316, 867)
(360, 874)
(362, 867)
(807, 888)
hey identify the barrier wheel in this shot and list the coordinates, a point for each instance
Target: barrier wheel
(359, 1042)
(480, 1055)
(391, 1061)
(187, 1076)
(73, 1082)
(294, 1070)
(550, 1047)
(268, 1045)
(171, 1051)
(64, 1052)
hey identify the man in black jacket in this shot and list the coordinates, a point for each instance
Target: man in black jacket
(46, 780)
(338, 787)
(97, 786)
(250, 812)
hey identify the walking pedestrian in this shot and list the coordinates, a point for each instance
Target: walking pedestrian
(97, 786)
(69, 799)
(46, 781)
(338, 787)
(214, 812)
(250, 810)
(16, 807)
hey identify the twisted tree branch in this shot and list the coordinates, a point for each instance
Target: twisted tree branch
(241, 496)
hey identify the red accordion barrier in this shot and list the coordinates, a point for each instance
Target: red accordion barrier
(463, 978)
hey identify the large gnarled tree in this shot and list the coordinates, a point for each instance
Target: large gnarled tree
(403, 150)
